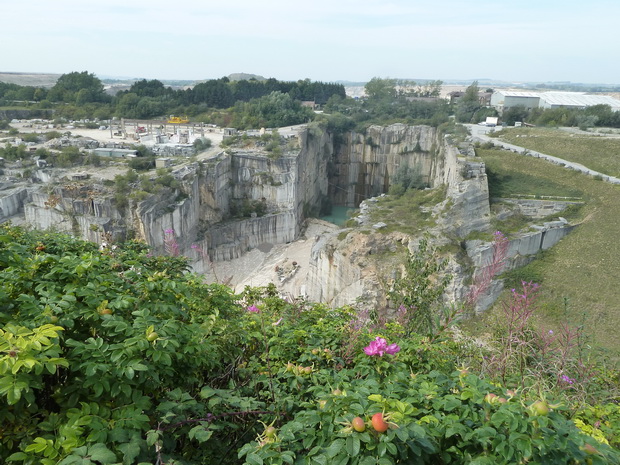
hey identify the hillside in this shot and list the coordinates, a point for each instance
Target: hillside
(578, 275)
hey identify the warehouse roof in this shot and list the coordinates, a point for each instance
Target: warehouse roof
(565, 99)
(512, 93)
(578, 99)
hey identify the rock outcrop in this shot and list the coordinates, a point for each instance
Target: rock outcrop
(363, 265)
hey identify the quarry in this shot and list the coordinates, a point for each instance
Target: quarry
(244, 211)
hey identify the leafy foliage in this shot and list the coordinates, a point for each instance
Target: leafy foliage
(109, 355)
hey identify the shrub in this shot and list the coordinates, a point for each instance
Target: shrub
(109, 355)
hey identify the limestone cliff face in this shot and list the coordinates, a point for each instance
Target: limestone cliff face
(359, 266)
(81, 211)
(365, 164)
(290, 186)
(12, 202)
(468, 193)
(343, 267)
(363, 264)
(202, 210)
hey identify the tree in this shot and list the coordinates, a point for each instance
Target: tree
(126, 105)
(380, 89)
(469, 104)
(517, 113)
(144, 88)
(69, 85)
(215, 93)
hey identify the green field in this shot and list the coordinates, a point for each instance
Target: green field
(599, 153)
(581, 275)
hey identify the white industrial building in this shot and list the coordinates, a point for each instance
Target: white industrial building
(576, 100)
(504, 99)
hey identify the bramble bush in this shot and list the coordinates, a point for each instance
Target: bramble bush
(109, 355)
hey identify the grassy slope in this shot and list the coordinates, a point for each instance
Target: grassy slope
(584, 268)
(598, 153)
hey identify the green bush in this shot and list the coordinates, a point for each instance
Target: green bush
(111, 355)
(142, 163)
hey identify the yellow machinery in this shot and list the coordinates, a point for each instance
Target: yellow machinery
(178, 120)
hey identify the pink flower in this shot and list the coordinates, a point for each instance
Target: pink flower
(277, 322)
(379, 347)
(253, 309)
(392, 349)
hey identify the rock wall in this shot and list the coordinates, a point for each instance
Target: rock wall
(521, 251)
(356, 267)
(201, 210)
(77, 214)
(468, 193)
(365, 164)
(342, 271)
(232, 239)
(12, 202)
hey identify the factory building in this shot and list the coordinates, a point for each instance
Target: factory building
(504, 99)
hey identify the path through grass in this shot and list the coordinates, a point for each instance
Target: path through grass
(598, 153)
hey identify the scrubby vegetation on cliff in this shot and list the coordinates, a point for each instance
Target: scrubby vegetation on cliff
(109, 355)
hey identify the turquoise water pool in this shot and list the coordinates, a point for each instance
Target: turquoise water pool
(339, 215)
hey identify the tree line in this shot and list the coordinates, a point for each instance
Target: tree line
(270, 103)
(82, 94)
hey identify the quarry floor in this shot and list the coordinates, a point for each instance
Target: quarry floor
(286, 265)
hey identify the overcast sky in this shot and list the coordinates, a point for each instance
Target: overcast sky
(327, 40)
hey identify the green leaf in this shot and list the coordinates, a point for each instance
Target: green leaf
(200, 433)
(334, 448)
(101, 453)
(353, 446)
(402, 434)
(368, 461)
(130, 451)
(254, 459)
(152, 437)
(320, 459)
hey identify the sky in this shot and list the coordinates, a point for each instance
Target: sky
(323, 40)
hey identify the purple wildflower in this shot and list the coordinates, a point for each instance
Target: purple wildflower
(566, 379)
(253, 309)
(379, 347)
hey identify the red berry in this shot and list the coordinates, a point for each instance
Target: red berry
(378, 423)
